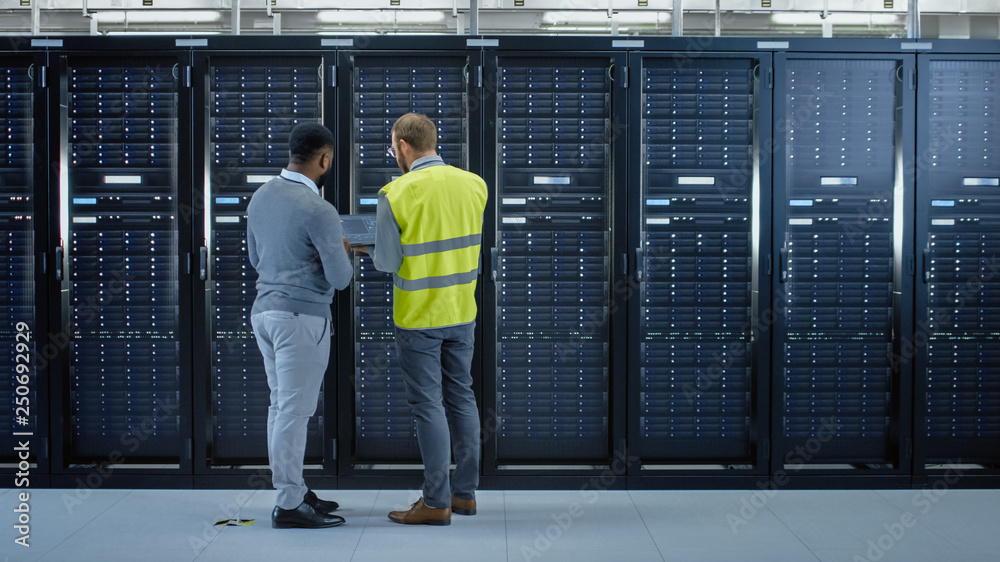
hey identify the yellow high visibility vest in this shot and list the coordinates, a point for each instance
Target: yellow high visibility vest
(439, 210)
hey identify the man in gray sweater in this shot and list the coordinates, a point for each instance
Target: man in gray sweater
(298, 248)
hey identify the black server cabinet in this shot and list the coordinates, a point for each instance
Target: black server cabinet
(957, 337)
(842, 199)
(551, 376)
(250, 105)
(377, 89)
(125, 292)
(23, 210)
(700, 210)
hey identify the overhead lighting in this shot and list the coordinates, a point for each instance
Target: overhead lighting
(380, 16)
(838, 18)
(159, 16)
(591, 17)
(173, 33)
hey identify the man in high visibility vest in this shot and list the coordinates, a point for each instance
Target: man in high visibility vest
(429, 228)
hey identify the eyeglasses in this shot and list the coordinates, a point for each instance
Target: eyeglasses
(391, 152)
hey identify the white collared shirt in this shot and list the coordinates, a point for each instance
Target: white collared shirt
(297, 177)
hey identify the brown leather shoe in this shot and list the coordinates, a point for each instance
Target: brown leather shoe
(420, 514)
(463, 507)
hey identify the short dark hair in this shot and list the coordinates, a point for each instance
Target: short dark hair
(417, 130)
(306, 140)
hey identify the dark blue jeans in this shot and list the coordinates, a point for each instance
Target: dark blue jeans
(436, 365)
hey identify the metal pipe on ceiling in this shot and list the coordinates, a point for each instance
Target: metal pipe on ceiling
(913, 19)
(473, 17)
(718, 18)
(236, 17)
(677, 19)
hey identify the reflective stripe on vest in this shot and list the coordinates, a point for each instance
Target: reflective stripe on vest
(439, 211)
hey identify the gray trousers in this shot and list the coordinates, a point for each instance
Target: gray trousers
(436, 365)
(296, 350)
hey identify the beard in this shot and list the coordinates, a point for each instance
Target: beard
(323, 178)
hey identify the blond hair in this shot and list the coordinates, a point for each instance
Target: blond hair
(417, 130)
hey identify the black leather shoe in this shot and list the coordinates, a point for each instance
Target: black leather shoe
(319, 505)
(304, 517)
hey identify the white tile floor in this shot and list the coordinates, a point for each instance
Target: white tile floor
(517, 526)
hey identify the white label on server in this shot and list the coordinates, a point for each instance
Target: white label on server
(696, 180)
(981, 182)
(827, 180)
(551, 180)
(123, 179)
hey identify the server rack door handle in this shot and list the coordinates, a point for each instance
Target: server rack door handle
(638, 264)
(59, 263)
(44, 259)
(203, 263)
(494, 261)
(926, 271)
(783, 264)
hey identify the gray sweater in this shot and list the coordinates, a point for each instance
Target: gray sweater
(295, 243)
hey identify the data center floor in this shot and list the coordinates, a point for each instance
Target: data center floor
(636, 526)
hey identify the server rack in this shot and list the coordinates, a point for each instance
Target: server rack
(947, 349)
(250, 107)
(378, 88)
(125, 295)
(700, 207)
(840, 239)
(957, 337)
(23, 304)
(552, 380)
